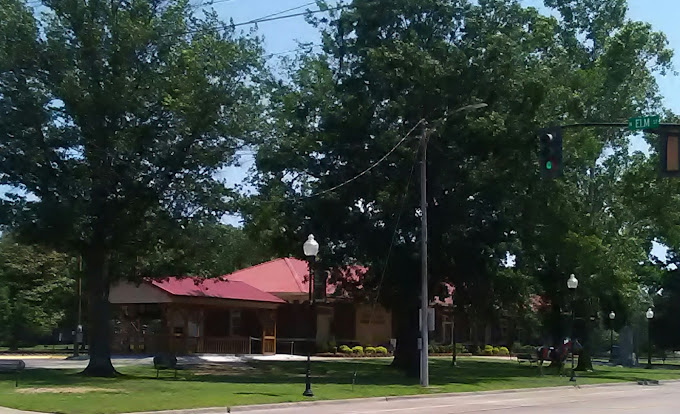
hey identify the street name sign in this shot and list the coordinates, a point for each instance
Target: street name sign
(643, 122)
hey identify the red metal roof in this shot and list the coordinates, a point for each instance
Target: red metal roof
(288, 275)
(276, 276)
(214, 288)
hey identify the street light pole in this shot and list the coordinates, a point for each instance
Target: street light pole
(650, 316)
(572, 284)
(612, 316)
(424, 340)
(77, 338)
(310, 248)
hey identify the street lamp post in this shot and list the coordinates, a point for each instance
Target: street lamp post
(612, 316)
(650, 316)
(310, 248)
(572, 284)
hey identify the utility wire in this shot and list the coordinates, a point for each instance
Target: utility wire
(394, 234)
(285, 11)
(367, 170)
(265, 19)
(285, 52)
(344, 183)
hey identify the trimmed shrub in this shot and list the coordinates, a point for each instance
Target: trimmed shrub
(488, 350)
(369, 350)
(335, 349)
(460, 349)
(496, 350)
(358, 350)
(527, 349)
(344, 349)
(381, 350)
(503, 351)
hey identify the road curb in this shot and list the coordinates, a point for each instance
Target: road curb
(275, 406)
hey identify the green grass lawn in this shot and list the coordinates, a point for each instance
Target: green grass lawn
(64, 391)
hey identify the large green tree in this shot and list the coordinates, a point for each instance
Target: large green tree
(384, 68)
(115, 120)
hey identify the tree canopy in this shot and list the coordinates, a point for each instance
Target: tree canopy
(384, 70)
(115, 121)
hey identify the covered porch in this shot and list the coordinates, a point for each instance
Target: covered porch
(148, 320)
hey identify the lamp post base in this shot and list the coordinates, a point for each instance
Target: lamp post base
(308, 393)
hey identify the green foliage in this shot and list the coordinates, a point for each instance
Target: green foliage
(504, 351)
(488, 350)
(381, 350)
(383, 69)
(358, 350)
(117, 119)
(525, 349)
(344, 349)
(369, 350)
(496, 350)
(36, 286)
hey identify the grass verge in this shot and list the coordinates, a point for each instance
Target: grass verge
(220, 385)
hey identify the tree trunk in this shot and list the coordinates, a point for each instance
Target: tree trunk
(453, 338)
(14, 320)
(585, 362)
(99, 335)
(406, 357)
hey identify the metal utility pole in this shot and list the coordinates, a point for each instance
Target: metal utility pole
(77, 338)
(424, 369)
(424, 296)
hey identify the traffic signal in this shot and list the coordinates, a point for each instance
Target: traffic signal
(550, 152)
(669, 153)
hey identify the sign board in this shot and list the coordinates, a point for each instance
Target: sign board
(430, 319)
(643, 122)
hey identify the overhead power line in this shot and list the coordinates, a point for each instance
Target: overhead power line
(375, 164)
(359, 175)
(311, 3)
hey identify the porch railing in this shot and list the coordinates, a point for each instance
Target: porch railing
(150, 344)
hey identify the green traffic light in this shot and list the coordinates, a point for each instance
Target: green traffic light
(548, 165)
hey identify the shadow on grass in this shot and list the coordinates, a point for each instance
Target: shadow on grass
(363, 372)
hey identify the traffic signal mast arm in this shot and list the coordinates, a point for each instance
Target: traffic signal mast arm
(620, 124)
(550, 142)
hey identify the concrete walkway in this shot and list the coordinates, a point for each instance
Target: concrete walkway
(53, 362)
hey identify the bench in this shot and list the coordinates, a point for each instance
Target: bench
(165, 362)
(531, 359)
(13, 365)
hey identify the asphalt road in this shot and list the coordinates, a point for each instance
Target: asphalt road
(628, 399)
